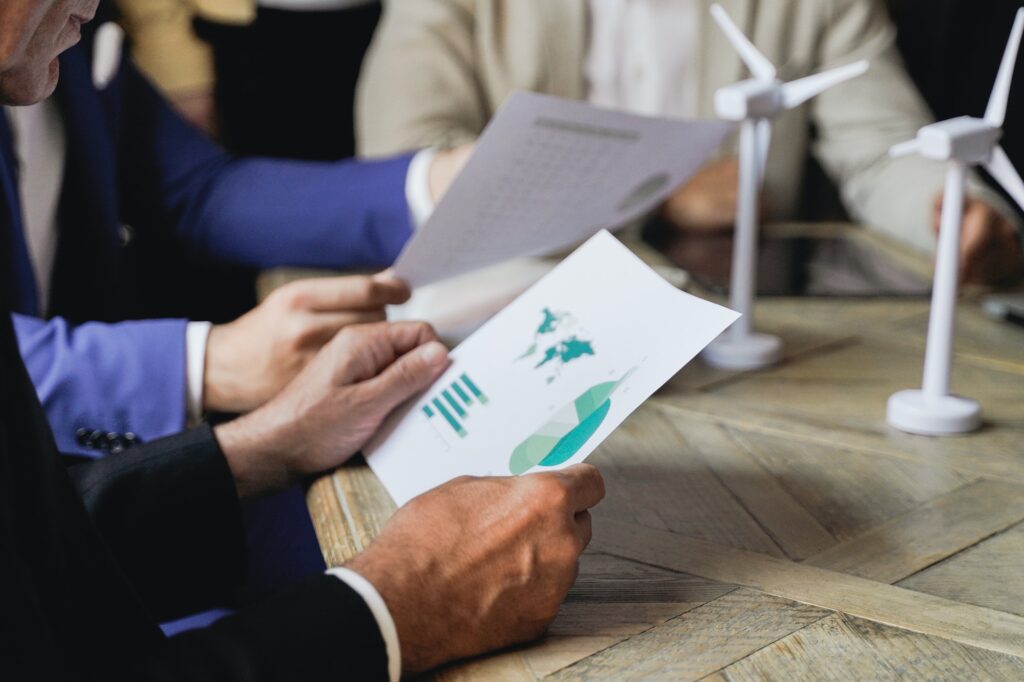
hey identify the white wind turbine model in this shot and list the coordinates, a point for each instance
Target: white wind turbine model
(755, 103)
(962, 142)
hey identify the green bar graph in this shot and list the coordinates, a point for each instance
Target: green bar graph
(455, 406)
(462, 394)
(450, 419)
(477, 393)
(454, 403)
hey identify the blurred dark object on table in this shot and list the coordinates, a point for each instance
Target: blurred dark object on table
(799, 260)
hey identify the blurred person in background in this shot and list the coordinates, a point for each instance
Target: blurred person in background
(439, 69)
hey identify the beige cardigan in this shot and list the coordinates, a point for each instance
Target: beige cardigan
(439, 69)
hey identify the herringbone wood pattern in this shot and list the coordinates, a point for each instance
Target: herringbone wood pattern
(771, 525)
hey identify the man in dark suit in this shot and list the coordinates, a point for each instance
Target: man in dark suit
(105, 164)
(155, 530)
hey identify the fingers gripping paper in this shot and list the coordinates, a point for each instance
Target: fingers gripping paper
(549, 377)
(548, 174)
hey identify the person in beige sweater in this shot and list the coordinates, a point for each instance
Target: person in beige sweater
(439, 69)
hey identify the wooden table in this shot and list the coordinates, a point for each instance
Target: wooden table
(771, 525)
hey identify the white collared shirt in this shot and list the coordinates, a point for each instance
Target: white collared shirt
(40, 149)
(643, 58)
(312, 5)
(644, 55)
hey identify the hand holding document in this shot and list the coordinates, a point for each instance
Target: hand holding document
(548, 174)
(551, 376)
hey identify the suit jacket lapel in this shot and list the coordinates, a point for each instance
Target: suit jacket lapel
(24, 297)
(87, 254)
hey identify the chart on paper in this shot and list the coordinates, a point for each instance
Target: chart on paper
(541, 384)
(450, 409)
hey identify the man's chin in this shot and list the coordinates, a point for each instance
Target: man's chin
(52, 78)
(29, 86)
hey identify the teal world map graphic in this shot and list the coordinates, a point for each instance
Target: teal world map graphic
(558, 348)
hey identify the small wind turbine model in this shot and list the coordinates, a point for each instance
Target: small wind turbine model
(963, 142)
(755, 103)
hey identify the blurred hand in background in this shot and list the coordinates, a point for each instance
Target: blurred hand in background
(707, 203)
(198, 108)
(990, 251)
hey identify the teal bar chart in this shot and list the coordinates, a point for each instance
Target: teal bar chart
(454, 404)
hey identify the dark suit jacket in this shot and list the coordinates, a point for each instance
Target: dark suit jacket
(159, 533)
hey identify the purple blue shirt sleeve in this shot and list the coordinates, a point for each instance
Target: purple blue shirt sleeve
(126, 377)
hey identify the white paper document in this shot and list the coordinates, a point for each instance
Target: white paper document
(543, 382)
(549, 173)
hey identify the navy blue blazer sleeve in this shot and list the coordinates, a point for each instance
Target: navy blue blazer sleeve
(319, 629)
(258, 212)
(169, 513)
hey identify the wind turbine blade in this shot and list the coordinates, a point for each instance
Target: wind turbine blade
(799, 91)
(905, 149)
(764, 145)
(758, 64)
(1001, 168)
(996, 112)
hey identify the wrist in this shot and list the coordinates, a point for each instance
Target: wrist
(256, 448)
(222, 384)
(381, 613)
(398, 579)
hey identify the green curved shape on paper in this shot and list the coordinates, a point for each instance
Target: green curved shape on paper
(568, 430)
(577, 438)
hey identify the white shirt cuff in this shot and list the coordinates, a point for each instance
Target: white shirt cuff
(417, 187)
(380, 612)
(196, 335)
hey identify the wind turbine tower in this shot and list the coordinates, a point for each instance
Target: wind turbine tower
(962, 143)
(755, 103)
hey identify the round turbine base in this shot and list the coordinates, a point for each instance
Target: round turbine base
(745, 353)
(914, 412)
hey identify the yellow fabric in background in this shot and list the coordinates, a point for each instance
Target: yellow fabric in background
(164, 44)
(226, 11)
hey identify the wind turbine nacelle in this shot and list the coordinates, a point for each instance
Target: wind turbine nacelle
(965, 139)
(749, 99)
